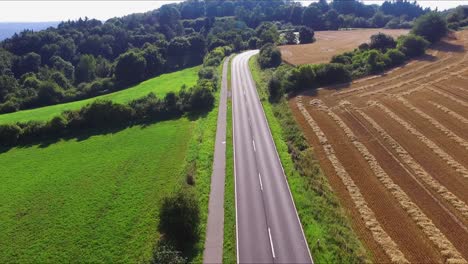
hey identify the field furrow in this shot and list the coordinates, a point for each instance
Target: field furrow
(446, 248)
(426, 141)
(379, 234)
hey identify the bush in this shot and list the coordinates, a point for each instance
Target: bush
(301, 78)
(430, 26)
(382, 42)
(207, 73)
(306, 35)
(105, 113)
(201, 96)
(179, 218)
(275, 89)
(412, 45)
(331, 73)
(376, 61)
(9, 134)
(130, 68)
(269, 56)
(396, 57)
(9, 107)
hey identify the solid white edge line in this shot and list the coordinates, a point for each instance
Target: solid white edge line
(261, 184)
(234, 157)
(253, 143)
(277, 154)
(271, 244)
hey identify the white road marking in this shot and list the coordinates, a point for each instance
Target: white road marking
(271, 244)
(260, 178)
(253, 143)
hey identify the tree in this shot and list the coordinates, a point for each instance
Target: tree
(9, 134)
(269, 56)
(275, 89)
(49, 93)
(130, 68)
(301, 78)
(396, 57)
(154, 61)
(86, 68)
(430, 26)
(180, 217)
(312, 17)
(306, 35)
(290, 37)
(382, 42)
(332, 20)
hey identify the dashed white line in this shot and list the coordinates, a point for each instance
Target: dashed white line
(253, 143)
(271, 244)
(260, 178)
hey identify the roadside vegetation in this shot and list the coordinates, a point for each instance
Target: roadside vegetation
(328, 231)
(229, 243)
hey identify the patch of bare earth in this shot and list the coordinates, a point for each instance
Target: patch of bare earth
(401, 140)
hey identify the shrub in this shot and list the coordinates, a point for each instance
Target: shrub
(180, 217)
(301, 78)
(269, 56)
(130, 68)
(431, 26)
(105, 113)
(412, 45)
(306, 35)
(382, 42)
(207, 73)
(375, 61)
(9, 107)
(331, 73)
(275, 89)
(9, 134)
(201, 96)
(396, 57)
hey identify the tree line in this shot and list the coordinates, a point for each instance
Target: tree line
(84, 58)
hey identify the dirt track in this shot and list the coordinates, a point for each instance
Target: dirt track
(402, 138)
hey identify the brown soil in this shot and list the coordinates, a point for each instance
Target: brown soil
(330, 43)
(413, 122)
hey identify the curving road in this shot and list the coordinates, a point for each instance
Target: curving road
(268, 227)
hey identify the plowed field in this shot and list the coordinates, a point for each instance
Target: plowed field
(395, 149)
(330, 43)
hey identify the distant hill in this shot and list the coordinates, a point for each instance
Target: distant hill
(7, 29)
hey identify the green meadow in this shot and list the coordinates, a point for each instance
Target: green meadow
(159, 85)
(92, 200)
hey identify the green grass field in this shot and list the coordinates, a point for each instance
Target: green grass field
(94, 200)
(160, 85)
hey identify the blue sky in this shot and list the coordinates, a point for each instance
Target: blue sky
(36, 10)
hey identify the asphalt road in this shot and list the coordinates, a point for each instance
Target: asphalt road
(268, 228)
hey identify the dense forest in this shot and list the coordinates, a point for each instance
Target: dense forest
(85, 58)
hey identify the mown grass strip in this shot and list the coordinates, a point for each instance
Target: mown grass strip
(229, 245)
(321, 216)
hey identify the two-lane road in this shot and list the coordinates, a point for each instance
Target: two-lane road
(268, 228)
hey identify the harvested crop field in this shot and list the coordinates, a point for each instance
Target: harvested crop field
(330, 43)
(395, 150)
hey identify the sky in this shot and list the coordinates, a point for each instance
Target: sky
(36, 10)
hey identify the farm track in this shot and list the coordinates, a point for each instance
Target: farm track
(400, 140)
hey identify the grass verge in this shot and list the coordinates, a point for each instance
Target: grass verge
(328, 231)
(160, 85)
(200, 163)
(229, 245)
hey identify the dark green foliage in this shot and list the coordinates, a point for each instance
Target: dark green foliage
(430, 26)
(267, 33)
(130, 68)
(179, 218)
(306, 35)
(300, 78)
(49, 93)
(9, 134)
(167, 255)
(396, 57)
(412, 45)
(275, 89)
(269, 56)
(290, 38)
(331, 73)
(201, 96)
(382, 42)
(376, 61)
(103, 113)
(85, 70)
